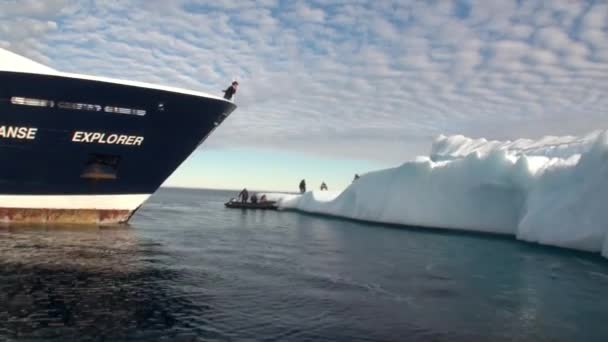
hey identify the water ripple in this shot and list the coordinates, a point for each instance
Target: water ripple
(189, 270)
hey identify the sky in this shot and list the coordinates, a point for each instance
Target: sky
(333, 88)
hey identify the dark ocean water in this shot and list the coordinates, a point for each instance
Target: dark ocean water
(186, 269)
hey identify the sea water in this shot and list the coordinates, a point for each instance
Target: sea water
(188, 269)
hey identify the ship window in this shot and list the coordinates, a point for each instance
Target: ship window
(79, 106)
(122, 110)
(26, 101)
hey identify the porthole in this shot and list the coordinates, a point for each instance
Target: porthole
(79, 106)
(27, 101)
(123, 110)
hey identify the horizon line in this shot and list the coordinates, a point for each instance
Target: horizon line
(222, 189)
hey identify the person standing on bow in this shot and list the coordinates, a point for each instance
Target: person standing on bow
(230, 91)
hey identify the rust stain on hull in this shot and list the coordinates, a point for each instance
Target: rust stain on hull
(80, 216)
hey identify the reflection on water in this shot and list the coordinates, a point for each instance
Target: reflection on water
(80, 283)
(70, 247)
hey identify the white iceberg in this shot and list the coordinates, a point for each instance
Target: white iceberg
(551, 191)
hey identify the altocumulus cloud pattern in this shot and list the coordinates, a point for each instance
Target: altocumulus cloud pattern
(365, 79)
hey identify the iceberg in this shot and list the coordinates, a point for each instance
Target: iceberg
(551, 191)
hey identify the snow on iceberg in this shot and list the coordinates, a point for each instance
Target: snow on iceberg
(551, 191)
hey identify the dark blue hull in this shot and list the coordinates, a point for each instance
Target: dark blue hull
(59, 160)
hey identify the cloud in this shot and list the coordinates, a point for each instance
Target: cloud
(33, 8)
(307, 13)
(552, 37)
(357, 79)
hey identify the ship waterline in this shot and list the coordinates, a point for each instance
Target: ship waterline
(98, 209)
(64, 216)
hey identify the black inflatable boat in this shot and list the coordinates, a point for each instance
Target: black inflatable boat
(272, 205)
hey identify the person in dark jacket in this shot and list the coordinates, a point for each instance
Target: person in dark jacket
(244, 195)
(230, 91)
(303, 186)
(323, 186)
